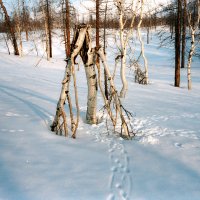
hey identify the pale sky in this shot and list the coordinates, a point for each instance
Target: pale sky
(81, 4)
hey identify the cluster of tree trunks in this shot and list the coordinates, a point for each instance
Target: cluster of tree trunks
(81, 45)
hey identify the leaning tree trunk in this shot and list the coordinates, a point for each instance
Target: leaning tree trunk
(126, 128)
(82, 45)
(5, 39)
(11, 29)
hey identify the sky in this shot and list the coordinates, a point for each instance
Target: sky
(81, 5)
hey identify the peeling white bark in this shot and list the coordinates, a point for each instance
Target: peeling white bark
(89, 64)
(82, 45)
(142, 43)
(124, 39)
(192, 48)
(60, 113)
(46, 32)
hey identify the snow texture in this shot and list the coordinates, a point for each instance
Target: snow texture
(162, 162)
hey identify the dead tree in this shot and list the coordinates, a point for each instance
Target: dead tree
(140, 76)
(81, 45)
(126, 130)
(10, 28)
(6, 41)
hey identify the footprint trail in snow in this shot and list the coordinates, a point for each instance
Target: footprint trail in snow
(120, 180)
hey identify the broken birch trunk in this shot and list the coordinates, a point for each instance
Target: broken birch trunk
(81, 45)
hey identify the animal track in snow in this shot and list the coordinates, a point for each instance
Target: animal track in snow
(11, 114)
(172, 117)
(178, 145)
(148, 132)
(120, 181)
(120, 178)
(12, 130)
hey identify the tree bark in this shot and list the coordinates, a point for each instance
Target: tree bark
(87, 55)
(117, 102)
(104, 44)
(142, 43)
(46, 31)
(19, 29)
(184, 25)
(82, 45)
(49, 25)
(11, 29)
(68, 27)
(193, 28)
(97, 23)
(177, 46)
(124, 39)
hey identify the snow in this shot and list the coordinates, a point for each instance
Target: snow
(162, 162)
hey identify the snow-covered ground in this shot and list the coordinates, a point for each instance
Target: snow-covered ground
(161, 163)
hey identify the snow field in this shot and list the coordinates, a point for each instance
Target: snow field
(162, 162)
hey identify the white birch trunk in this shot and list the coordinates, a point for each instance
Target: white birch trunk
(46, 31)
(82, 45)
(113, 92)
(87, 55)
(142, 43)
(123, 51)
(192, 48)
(124, 39)
(123, 74)
(60, 106)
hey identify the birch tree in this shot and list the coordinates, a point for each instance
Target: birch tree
(19, 27)
(82, 45)
(48, 26)
(194, 26)
(125, 34)
(145, 81)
